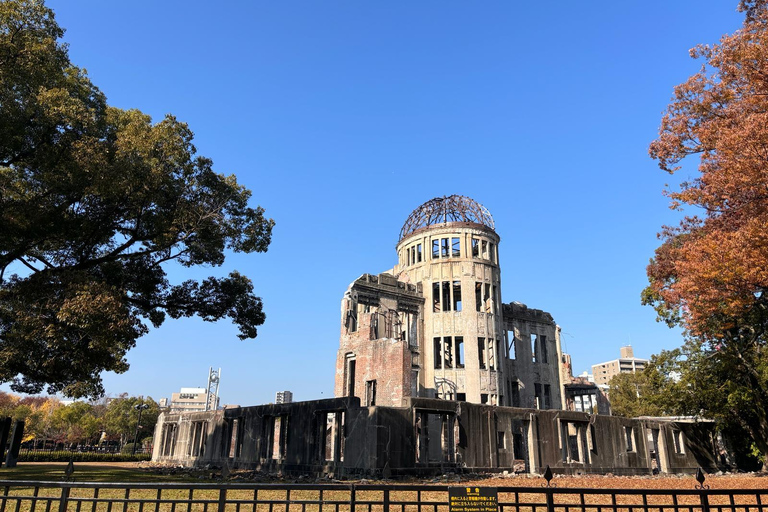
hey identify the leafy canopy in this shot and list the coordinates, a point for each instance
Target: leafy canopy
(710, 274)
(94, 200)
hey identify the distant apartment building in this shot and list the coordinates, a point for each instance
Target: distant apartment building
(193, 399)
(627, 363)
(283, 397)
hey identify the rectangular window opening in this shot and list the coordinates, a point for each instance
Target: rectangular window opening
(418, 253)
(435, 249)
(436, 297)
(511, 346)
(459, 351)
(491, 354)
(484, 249)
(483, 398)
(544, 353)
(438, 352)
(370, 393)
(455, 248)
(461, 397)
(534, 350)
(547, 396)
(537, 394)
(479, 296)
(444, 248)
(448, 351)
(475, 248)
(457, 295)
(481, 352)
(628, 432)
(501, 440)
(446, 300)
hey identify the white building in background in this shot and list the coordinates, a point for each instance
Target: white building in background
(283, 397)
(626, 363)
(193, 399)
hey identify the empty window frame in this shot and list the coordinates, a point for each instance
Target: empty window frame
(537, 395)
(484, 249)
(351, 319)
(483, 302)
(677, 440)
(446, 296)
(534, 346)
(461, 397)
(435, 249)
(491, 354)
(481, 353)
(198, 436)
(511, 347)
(169, 439)
(543, 346)
(374, 325)
(629, 434)
(447, 354)
(350, 364)
(444, 248)
(547, 396)
(456, 295)
(455, 247)
(491, 250)
(418, 253)
(515, 393)
(483, 398)
(501, 440)
(370, 393)
(475, 248)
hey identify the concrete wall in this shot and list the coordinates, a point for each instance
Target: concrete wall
(425, 436)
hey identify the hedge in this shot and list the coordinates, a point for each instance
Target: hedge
(66, 456)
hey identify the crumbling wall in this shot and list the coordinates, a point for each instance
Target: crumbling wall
(425, 436)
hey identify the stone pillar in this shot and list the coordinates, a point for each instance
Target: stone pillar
(5, 429)
(13, 451)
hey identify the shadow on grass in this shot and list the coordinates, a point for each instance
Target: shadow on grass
(89, 472)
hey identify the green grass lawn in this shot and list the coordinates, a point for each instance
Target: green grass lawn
(90, 472)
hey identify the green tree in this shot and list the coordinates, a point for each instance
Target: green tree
(77, 423)
(121, 418)
(710, 275)
(94, 201)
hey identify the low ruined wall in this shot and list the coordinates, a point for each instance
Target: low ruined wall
(426, 436)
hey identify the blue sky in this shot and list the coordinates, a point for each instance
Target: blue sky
(344, 116)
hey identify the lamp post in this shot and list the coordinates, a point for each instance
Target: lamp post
(139, 407)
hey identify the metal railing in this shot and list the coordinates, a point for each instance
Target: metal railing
(34, 496)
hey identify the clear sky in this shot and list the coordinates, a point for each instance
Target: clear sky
(344, 116)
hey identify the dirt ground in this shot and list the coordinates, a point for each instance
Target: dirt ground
(719, 481)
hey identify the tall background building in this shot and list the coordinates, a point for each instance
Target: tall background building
(626, 363)
(283, 397)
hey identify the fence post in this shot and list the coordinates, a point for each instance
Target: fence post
(703, 496)
(222, 499)
(64, 499)
(386, 501)
(550, 499)
(352, 498)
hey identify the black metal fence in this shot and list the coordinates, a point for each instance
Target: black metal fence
(29, 496)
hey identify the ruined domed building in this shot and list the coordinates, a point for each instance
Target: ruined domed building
(435, 326)
(435, 373)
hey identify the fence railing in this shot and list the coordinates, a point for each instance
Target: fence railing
(33, 496)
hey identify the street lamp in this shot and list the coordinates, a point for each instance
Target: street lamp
(138, 407)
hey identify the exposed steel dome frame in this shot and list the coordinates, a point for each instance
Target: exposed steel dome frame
(442, 210)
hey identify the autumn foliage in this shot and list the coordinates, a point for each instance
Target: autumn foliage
(715, 265)
(710, 275)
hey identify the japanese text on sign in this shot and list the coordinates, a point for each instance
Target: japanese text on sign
(473, 499)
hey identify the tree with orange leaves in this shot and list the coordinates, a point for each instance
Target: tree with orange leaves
(710, 275)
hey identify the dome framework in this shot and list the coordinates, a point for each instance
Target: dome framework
(442, 210)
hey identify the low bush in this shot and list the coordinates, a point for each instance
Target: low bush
(66, 456)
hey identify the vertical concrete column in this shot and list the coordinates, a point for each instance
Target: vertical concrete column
(13, 451)
(5, 430)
